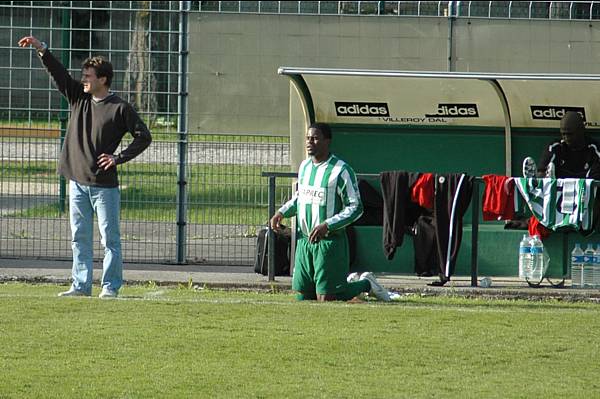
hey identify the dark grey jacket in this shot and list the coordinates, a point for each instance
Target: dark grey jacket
(95, 127)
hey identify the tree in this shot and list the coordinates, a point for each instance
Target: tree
(140, 81)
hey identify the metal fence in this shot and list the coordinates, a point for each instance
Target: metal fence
(189, 198)
(461, 9)
(226, 199)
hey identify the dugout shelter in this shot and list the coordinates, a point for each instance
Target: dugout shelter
(442, 122)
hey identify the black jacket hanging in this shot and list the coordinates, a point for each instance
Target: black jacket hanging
(398, 210)
(453, 194)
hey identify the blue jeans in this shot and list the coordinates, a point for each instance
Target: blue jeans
(106, 203)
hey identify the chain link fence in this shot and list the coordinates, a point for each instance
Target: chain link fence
(225, 197)
(572, 10)
(191, 197)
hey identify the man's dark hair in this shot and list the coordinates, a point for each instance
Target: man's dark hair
(572, 121)
(323, 128)
(102, 67)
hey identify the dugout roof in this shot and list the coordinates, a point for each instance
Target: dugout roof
(451, 99)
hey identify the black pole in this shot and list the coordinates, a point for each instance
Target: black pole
(474, 231)
(181, 238)
(64, 107)
(271, 233)
(566, 255)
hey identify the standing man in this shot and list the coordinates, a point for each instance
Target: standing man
(326, 202)
(99, 120)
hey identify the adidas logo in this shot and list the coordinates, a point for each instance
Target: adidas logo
(361, 109)
(456, 111)
(553, 112)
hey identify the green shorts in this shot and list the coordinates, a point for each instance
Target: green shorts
(321, 267)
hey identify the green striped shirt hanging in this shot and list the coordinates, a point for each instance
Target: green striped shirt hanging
(559, 203)
(327, 193)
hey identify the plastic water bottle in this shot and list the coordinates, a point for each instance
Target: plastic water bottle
(525, 257)
(588, 266)
(577, 267)
(537, 260)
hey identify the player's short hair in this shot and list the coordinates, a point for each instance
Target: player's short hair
(102, 66)
(572, 121)
(323, 128)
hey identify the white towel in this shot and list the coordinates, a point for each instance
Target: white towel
(569, 196)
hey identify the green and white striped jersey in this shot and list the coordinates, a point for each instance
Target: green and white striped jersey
(558, 203)
(327, 192)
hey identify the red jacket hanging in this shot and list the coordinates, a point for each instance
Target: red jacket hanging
(498, 198)
(423, 191)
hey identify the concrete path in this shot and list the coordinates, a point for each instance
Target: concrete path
(141, 241)
(243, 277)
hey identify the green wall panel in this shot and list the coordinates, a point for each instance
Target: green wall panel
(529, 144)
(372, 150)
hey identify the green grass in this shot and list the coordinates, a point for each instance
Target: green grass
(178, 342)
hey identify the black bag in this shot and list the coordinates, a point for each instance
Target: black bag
(283, 239)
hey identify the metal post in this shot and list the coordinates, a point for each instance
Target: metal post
(184, 8)
(450, 35)
(64, 115)
(271, 209)
(62, 183)
(271, 235)
(474, 231)
(507, 126)
(566, 256)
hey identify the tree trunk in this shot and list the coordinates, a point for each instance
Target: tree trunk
(140, 82)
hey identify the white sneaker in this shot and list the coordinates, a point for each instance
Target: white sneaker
(73, 292)
(529, 167)
(108, 293)
(352, 277)
(376, 289)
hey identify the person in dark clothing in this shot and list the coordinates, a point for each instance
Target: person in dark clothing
(574, 155)
(98, 122)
